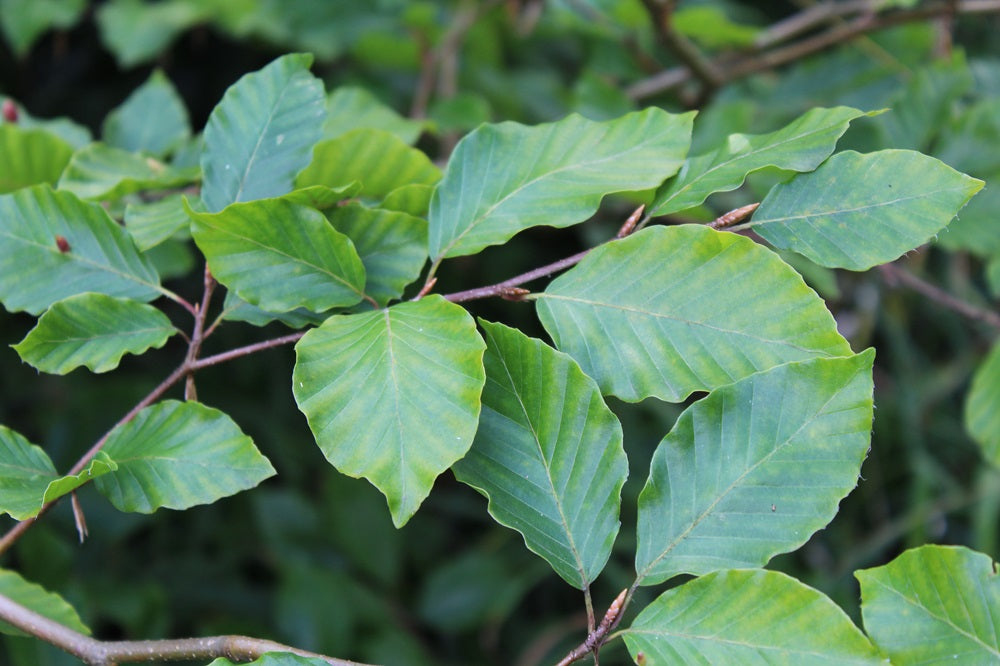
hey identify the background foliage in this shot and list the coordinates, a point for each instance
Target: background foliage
(288, 561)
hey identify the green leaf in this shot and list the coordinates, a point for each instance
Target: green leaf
(548, 454)
(502, 179)
(856, 211)
(30, 156)
(152, 223)
(275, 659)
(24, 21)
(99, 171)
(746, 617)
(136, 31)
(262, 133)
(982, 418)
(152, 120)
(978, 228)
(352, 108)
(92, 330)
(100, 256)
(392, 247)
(934, 604)
(754, 468)
(177, 455)
(236, 309)
(710, 27)
(280, 255)
(376, 159)
(393, 395)
(71, 132)
(40, 600)
(672, 310)
(802, 145)
(413, 199)
(28, 479)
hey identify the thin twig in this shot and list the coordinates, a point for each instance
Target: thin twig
(596, 638)
(660, 13)
(246, 351)
(895, 274)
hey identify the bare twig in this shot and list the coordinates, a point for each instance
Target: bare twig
(895, 274)
(660, 13)
(596, 638)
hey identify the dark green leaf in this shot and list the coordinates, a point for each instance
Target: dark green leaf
(754, 468)
(236, 309)
(982, 417)
(548, 454)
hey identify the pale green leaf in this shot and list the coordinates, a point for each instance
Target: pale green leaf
(154, 222)
(177, 455)
(136, 31)
(379, 161)
(25, 473)
(548, 454)
(352, 108)
(747, 617)
(24, 21)
(99, 465)
(153, 120)
(934, 605)
(802, 145)
(275, 659)
(502, 179)
(392, 247)
(393, 395)
(982, 407)
(754, 468)
(280, 255)
(30, 156)
(235, 308)
(857, 211)
(99, 171)
(100, 256)
(672, 310)
(413, 199)
(40, 600)
(710, 27)
(321, 197)
(92, 330)
(262, 133)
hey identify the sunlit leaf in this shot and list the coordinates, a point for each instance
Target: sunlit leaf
(413, 199)
(746, 617)
(40, 600)
(352, 108)
(754, 468)
(30, 156)
(802, 145)
(548, 454)
(99, 171)
(280, 255)
(368, 384)
(262, 133)
(92, 330)
(507, 177)
(857, 211)
(152, 120)
(932, 605)
(177, 455)
(99, 255)
(683, 309)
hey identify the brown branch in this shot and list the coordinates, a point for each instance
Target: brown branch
(893, 274)
(733, 217)
(660, 13)
(596, 638)
(733, 68)
(246, 351)
(110, 653)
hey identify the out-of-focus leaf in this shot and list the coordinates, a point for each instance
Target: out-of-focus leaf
(923, 107)
(710, 27)
(932, 605)
(460, 113)
(368, 382)
(30, 156)
(754, 468)
(73, 133)
(152, 120)
(683, 309)
(412, 199)
(24, 21)
(379, 161)
(982, 407)
(392, 247)
(136, 31)
(747, 617)
(262, 133)
(99, 255)
(280, 255)
(977, 228)
(152, 223)
(177, 455)
(352, 108)
(275, 659)
(548, 454)
(802, 145)
(40, 600)
(502, 179)
(92, 330)
(856, 211)
(99, 171)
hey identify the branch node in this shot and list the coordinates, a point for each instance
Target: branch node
(734, 216)
(630, 223)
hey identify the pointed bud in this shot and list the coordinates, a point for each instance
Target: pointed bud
(62, 244)
(9, 111)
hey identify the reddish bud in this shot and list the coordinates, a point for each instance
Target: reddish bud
(513, 293)
(9, 111)
(62, 244)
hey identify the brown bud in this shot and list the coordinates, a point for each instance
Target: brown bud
(62, 244)
(9, 111)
